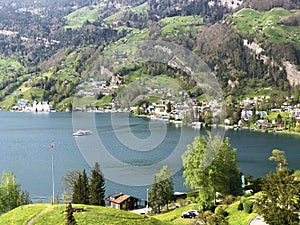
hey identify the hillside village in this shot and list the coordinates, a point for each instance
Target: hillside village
(269, 115)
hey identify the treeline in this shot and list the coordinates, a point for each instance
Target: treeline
(83, 190)
(211, 12)
(265, 5)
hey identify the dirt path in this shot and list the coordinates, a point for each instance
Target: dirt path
(38, 215)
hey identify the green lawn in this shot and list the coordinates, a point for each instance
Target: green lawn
(237, 217)
(21, 215)
(56, 215)
(174, 217)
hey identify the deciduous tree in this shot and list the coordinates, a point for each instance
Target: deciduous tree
(162, 190)
(280, 201)
(210, 165)
(11, 195)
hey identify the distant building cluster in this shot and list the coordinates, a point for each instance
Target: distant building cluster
(25, 106)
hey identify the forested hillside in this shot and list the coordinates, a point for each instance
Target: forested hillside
(48, 47)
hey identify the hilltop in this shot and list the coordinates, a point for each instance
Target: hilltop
(47, 214)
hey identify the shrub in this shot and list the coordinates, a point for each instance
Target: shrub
(248, 205)
(221, 210)
(229, 199)
(240, 206)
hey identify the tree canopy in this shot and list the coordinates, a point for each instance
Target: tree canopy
(162, 190)
(11, 196)
(210, 166)
(97, 186)
(280, 201)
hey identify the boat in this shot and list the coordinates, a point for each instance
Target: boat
(82, 132)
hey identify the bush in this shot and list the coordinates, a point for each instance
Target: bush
(240, 207)
(254, 208)
(248, 205)
(221, 210)
(228, 200)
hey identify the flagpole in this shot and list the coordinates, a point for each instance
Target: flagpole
(52, 152)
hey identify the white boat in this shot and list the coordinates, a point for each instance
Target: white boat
(82, 132)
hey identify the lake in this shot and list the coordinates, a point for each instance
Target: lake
(130, 150)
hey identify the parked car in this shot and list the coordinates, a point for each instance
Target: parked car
(194, 212)
(188, 215)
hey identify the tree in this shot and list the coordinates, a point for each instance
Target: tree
(81, 190)
(279, 157)
(280, 201)
(24, 198)
(10, 194)
(162, 190)
(69, 181)
(97, 186)
(211, 166)
(69, 217)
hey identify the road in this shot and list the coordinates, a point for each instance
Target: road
(257, 221)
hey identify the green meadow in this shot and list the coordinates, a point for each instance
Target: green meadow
(269, 23)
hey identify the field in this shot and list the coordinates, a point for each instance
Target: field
(46, 214)
(182, 25)
(55, 215)
(137, 10)
(268, 23)
(79, 17)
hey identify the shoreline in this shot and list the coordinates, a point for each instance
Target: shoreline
(262, 131)
(146, 117)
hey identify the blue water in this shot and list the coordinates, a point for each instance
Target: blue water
(25, 140)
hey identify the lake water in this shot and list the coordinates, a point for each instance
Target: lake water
(26, 137)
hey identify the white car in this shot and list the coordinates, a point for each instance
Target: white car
(194, 212)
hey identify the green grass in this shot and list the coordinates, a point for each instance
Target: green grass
(9, 67)
(77, 18)
(174, 217)
(238, 217)
(56, 215)
(180, 25)
(21, 215)
(105, 100)
(136, 10)
(248, 21)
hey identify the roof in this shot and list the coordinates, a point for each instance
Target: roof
(119, 199)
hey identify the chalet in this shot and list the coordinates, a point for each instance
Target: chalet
(124, 202)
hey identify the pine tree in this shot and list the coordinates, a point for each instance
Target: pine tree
(81, 190)
(70, 218)
(85, 188)
(97, 187)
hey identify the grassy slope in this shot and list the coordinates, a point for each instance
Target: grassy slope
(137, 10)
(77, 18)
(248, 21)
(235, 217)
(179, 25)
(55, 215)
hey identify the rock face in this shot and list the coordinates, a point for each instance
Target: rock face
(293, 75)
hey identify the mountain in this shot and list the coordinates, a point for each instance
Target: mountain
(49, 47)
